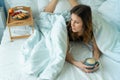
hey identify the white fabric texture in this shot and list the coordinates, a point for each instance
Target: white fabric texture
(11, 63)
(110, 10)
(41, 5)
(107, 34)
(45, 51)
(94, 4)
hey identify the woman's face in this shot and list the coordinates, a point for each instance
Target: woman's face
(76, 24)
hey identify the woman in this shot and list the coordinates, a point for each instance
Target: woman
(79, 29)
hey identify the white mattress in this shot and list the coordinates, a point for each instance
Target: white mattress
(11, 65)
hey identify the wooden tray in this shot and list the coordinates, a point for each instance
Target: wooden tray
(14, 22)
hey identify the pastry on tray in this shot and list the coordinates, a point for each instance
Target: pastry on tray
(19, 15)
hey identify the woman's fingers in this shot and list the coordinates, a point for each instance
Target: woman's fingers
(95, 69)
(97, 64)
(88, 69)
(91, 69)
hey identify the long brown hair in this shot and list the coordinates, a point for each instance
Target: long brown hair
(84, 12)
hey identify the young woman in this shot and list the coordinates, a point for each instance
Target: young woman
(79, 29)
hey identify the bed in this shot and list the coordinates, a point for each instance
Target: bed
(12, 62)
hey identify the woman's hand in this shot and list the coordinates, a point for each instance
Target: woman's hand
(81, 65)
(96, 51)
(86, 68)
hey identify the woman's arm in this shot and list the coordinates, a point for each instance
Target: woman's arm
(51, 6)
(96, 51)
(73, 2)
(70, 59)
(78, 64)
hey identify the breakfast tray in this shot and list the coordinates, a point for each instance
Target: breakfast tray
(14, 22)
(17, 23)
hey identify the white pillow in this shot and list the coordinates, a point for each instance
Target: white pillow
(94, 4)
(110, 10)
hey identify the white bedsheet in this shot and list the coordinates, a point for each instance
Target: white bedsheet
(11, 67)
(11, 64)
(10, 59)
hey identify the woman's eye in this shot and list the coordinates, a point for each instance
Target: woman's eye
(77, 22)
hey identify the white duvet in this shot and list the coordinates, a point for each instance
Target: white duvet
(11, 65)
(45, 51)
